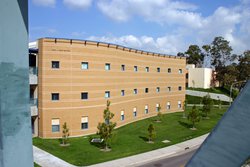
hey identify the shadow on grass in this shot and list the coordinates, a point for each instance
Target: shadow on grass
(220, 114)
(143, 138)
(185, 124)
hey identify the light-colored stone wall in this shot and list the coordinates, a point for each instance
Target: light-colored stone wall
(70, 80)
(199, 77)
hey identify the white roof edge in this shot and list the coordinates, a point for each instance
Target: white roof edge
(33, 45)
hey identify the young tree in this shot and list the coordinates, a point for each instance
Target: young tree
(151, 133)
(159, 115)
(185, 102)
(65, 135)
(106, 128)
(207, 105)
(194, 116)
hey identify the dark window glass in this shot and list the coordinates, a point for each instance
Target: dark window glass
(55, 96)
(84, 95)
(55, 64)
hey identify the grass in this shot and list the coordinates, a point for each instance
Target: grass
(130, 139)
(219, 90)
(197, 100)
(36, 165)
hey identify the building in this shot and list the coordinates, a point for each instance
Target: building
(198, 77)
(77, 77)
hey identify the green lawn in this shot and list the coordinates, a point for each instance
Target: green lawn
(197, 100)
(219, 90)
(36, 165)
(130, 139)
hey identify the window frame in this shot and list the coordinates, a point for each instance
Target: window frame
(107, 93)
(123, 92)
(107, 66)
(123, 67)
(86, 93)
(57, 64)
(135, 91)
(85, 63)
(135, 68)
(84, 125)
(53, 95)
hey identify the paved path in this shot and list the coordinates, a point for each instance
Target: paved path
(214, 96)
(175, 161)
(45, 159)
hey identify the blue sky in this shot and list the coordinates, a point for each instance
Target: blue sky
(165, 26)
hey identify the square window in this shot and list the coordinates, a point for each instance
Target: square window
(107, 94)
(55, 64)
(135, 91)
(123, 67)
(84, 95)
(147, 69)
(84, 123)
(180, 71)
(135, 68)
(158, 69)
(179, 88)
(85, 65)
(55, 125)
(107, 66)
(54, 96)
(169, 89)
(169, 70)
(122, 92)
(146, 90)
(158, 89)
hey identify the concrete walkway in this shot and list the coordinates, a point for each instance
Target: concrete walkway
(45, 159)
(214, 96)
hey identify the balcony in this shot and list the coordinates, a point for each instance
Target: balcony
(33, 107)
(33, 71)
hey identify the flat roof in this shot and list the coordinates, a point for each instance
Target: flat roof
(116, 45)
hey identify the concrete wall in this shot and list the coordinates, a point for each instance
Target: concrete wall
(199, 77)
(70, 80)
(15, 123)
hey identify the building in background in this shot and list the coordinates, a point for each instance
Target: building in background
(198, 77)
(76, 78)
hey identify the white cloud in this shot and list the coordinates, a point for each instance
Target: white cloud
(47, 3)
(169, 44)
(232, 23)
(77, 4)
(161, 11)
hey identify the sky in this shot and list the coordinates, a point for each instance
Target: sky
(163, 26)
